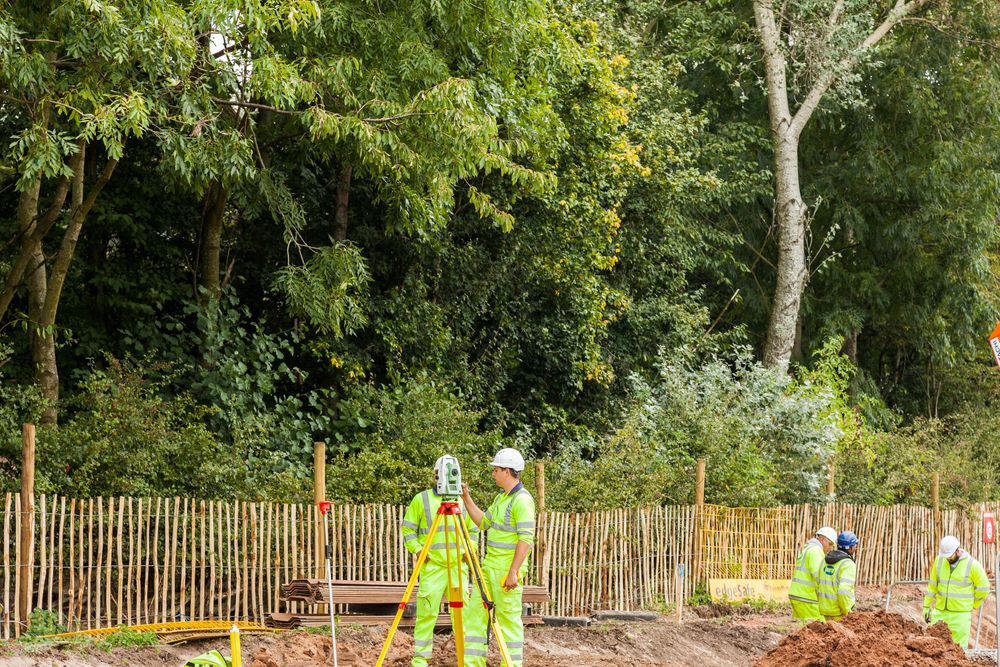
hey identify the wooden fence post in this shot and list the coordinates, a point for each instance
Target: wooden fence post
(24, 558)
(699, 489)
(699, 501)
(319, 495)
(829, 481)
(935, 496)
(543, 575)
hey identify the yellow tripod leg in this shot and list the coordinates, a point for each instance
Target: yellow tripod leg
(455, 591)
(477, 572)
(409, 588)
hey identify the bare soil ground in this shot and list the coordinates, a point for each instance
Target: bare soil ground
(717, 635)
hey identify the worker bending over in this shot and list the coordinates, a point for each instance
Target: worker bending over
(433, 577)
(958, 584)
(835, 585)
(802, 591)
(511, 522)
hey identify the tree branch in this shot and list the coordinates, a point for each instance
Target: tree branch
(898, 12)
(254, 105)
(61, 266)
(957, 38)
(35, 232)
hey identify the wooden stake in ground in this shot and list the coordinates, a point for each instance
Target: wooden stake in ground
(27, 521)
(319, 496)
(543, 577)
(678, 588)
(699, 501)
(935, 488)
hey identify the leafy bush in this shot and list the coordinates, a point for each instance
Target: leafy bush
(125, 439)
(400, 432)
(42, 622)
(125, 636)
(897, 466)
(766, 438)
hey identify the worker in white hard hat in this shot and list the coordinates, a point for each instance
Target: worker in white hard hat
(433, 576)
(510, 520)
(802, 592)
(958, 584)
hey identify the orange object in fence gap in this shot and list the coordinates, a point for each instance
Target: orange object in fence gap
(989, 528)
(995, 343)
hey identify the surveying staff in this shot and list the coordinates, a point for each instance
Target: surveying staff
(835, 584)
(802, 591)
(433, 576)
(958, 584)
(511, 522)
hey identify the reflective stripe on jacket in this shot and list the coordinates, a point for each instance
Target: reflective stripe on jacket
(835, 588)
(807, 567)
(510, 519)
(959, 588)
(417, 526)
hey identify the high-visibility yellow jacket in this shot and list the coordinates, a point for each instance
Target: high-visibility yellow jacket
(510, 519)
(417, 526)
(961, 587)
(835, 584)
(807, 567)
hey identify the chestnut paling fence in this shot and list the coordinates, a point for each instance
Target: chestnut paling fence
(100, 562)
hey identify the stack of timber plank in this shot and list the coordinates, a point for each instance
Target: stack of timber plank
(356, 592)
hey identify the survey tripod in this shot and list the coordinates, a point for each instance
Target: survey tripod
(451, 513)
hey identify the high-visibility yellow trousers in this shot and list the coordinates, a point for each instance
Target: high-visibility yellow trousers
(508, 607)
(806, 611)
(433, 588)
(959, 622)
(833, 618)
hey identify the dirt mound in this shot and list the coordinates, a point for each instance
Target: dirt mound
(873, 639)
(721, 610)
(358, 647)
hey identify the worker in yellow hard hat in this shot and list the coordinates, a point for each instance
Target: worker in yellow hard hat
(511, 522)
(433, 577)
(958, 584)
(802, 591)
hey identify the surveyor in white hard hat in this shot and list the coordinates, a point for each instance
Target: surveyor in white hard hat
(511, 522)
(434, 574)
(802, 592)
(958, 584)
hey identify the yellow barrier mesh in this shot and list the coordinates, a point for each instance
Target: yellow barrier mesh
(747, 543)
(179, 631)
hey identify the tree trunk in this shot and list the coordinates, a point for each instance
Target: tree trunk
(44, 291)
(42, 345)
(850, 346)
(791, 254)
(789, 208)
(211, 242)
(343, 193)
(786, 129)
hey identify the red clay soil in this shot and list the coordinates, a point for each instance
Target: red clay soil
(875, 639)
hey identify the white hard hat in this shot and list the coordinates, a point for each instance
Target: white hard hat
(828, 533)
(949, 545)
(508, 458)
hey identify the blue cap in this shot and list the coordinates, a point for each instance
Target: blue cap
(847, 539)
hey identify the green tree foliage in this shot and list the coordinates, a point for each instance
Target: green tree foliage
(411, 229)
(398, 433)
(125, 439)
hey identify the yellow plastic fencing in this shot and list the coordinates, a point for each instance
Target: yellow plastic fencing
(171, 633)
